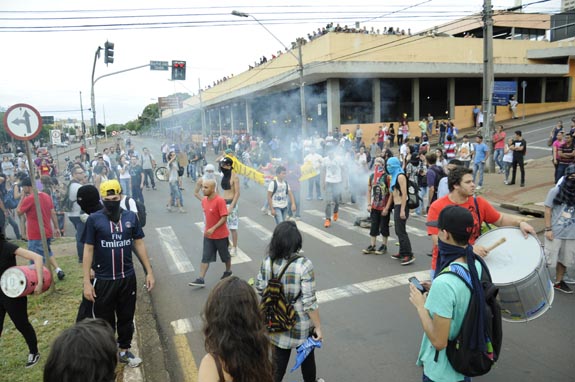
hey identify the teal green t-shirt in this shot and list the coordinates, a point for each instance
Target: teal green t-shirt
(449, 298)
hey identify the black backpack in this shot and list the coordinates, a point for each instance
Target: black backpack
(472, 363)
(279, 313)
(141, 210)
(412, 193)
(439, 174)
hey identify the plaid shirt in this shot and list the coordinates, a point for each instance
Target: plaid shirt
(299, 277)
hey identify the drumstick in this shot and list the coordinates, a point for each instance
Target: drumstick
(496, 244)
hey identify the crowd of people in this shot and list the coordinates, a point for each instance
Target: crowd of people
(342, 167)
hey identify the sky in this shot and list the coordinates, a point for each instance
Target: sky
(49, 46)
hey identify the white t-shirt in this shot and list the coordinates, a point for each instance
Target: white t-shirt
(280, 197)
(126, 174)
(332, 169)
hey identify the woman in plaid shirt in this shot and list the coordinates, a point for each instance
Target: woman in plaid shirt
(299, 288)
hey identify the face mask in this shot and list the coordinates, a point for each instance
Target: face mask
(112, 209)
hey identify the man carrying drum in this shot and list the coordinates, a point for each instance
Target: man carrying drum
(17, 308)
(461, 193)
(559, 232)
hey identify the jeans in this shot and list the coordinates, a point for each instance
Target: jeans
(310, 185)
(176, 194)
(281, 360)
(79, 227)
(126, 189)
(441, 140)
(281, 214)
(478, 167)
(558, 173)
(137, 194)
(12, 222)
(192, 170)
(149, 173)
(498, 158)
(401, 232)
(36, 246)
(506, 168)
(423, 194)
(333, 194)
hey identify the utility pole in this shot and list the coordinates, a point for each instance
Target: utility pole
(203, 117)
(302, 95)
(82, 124)
(488, 77)
(93, 99)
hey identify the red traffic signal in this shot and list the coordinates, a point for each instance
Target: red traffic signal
(178, 70)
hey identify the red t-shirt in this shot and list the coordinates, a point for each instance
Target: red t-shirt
(32, 226)
(501, 143)
(380, 135)
(488, 214)
(214, 209)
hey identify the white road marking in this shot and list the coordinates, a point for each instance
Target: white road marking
(345, 224)
(180, 262)
(540, 148)
(368, 286)
(194, 324)
(241, 257)
(327, 238)
(264, 233)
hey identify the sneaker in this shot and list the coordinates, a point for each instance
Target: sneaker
(226, 274)
(199, 282)
(561, 286)
(169, 208)
(32, 359)
(234, 251)
(320, 380)
(522, 185)
(382, 250)
(505, 182)
(335, 216)
(568, 279)
(396, 256)
(61, 275)
(308, 198)
(369, 250)
(478, 188)
(406, 260)
(130, 359)
(182, 211)
(319, 198)
(327, 223)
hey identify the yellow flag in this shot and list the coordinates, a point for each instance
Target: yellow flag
(307, 171)
(248, 172)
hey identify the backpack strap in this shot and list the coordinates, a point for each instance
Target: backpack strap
(128, 203)
(479, 214)
(291, 260)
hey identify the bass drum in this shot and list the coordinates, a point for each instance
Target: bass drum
(519, 269)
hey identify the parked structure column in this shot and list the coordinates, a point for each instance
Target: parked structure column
(249, 127)
(543, 89)
(451, 97)
(415, 98)
(333, 105)
(232, 119)
(376, 99)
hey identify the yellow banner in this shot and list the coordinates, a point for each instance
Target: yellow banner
(248, 172)
(307, 171)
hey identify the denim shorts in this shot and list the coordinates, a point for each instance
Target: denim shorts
(36, 246)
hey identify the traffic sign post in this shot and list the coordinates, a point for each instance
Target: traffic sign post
(22, 121)
(56, 137)
(524, 85)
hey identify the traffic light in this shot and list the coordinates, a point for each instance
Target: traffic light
(178, 70)
(108, 53)
(101, 129)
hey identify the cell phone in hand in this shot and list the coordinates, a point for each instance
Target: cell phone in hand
(417, 284)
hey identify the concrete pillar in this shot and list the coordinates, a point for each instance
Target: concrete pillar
(333, 105)
(249, 127)
(220, 119)
(232, 124)
(543, 89)
(376, 99)
(415, 99)
(451, 97)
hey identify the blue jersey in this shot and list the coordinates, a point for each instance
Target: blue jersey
(113, 244)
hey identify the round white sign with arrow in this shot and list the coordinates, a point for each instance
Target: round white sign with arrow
(23, 122)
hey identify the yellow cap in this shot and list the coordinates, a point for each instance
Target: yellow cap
(110, 187)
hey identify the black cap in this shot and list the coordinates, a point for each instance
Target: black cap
(454, 219)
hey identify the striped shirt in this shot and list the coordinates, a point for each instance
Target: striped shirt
(113, 243)
(299, 277)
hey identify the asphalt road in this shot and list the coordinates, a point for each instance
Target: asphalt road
(372, 332)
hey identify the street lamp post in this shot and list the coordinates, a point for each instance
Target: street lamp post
(300, 70)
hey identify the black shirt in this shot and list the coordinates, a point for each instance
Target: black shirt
(517, 143)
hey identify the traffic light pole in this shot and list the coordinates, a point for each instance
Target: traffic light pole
(94, 83)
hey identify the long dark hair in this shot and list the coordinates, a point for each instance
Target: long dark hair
(286, 240)
(234, 331)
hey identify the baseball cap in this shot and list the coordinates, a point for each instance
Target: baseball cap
(454, 219)
(110, 187)
(26, 182)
